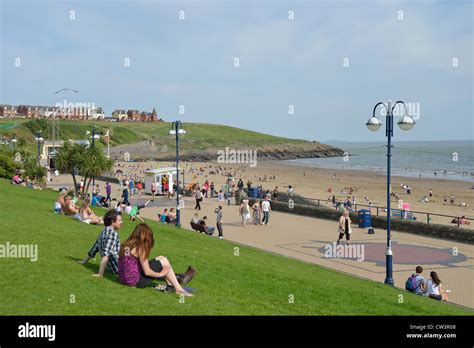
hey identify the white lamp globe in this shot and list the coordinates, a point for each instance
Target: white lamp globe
(373, 124)
(172, 132)
(406, 123)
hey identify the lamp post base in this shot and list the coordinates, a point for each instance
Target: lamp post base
(178, 218)
(389, 277)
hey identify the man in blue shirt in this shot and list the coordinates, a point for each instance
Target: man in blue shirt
(125, 196)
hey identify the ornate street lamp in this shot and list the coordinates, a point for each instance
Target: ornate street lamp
(373, 124)
(177, 130)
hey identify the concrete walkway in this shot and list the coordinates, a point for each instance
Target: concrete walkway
(310, 239)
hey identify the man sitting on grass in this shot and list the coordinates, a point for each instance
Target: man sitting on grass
(108, 244)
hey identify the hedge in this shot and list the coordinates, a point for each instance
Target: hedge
(416, 227)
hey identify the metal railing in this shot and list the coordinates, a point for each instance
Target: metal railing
(399, 213)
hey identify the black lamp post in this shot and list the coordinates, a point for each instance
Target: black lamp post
(373, 124)
(95, 135)
(39, 139)
(176, 130)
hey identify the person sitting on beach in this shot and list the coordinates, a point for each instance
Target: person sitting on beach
(85, 214)
(134, 268)
(209, 230)
(461, 221)
(453, 199)
(435, 288)
(69, 208)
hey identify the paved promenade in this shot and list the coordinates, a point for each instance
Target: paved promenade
(307, 238)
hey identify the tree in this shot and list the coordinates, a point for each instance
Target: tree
(8, 167)
(94, 163)
(34, 171)
(79, 159)
(68, 158)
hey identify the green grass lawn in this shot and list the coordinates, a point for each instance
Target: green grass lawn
(253, 283)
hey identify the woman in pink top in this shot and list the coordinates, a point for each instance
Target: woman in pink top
(134, 268)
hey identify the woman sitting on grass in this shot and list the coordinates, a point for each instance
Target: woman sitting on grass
(134, 268)
(434, 288)
(87, 215)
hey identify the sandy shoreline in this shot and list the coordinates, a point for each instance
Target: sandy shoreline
(313, 182)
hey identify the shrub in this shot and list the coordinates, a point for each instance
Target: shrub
(8, 167)
(415, 227)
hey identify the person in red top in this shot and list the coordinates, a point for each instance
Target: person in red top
(139, 188)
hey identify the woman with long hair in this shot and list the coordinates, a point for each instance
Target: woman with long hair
(435, 288)
(87, 215)
(135, 270)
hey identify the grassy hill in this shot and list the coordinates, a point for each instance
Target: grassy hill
(253, 283)
(199, 137)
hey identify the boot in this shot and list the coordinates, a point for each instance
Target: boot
(185, 278)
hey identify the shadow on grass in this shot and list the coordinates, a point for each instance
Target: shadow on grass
(95, 269)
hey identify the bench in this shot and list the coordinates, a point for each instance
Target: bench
(200, 228)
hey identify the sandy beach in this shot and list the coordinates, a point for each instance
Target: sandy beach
(314, 183)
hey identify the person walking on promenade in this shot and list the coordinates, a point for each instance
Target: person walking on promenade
(344, 227)
(219, 219)
(266, 208)
(198, 197)
(257, 212)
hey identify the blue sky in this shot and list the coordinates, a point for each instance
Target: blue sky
(282, 62)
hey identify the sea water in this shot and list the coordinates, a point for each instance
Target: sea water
(452, 160)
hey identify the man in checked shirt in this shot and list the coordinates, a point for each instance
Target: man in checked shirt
(108, 244)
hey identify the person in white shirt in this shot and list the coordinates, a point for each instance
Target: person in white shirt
(290, 191)
(434, 288)
(128, 209)
(245, 212)
(266, 208)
